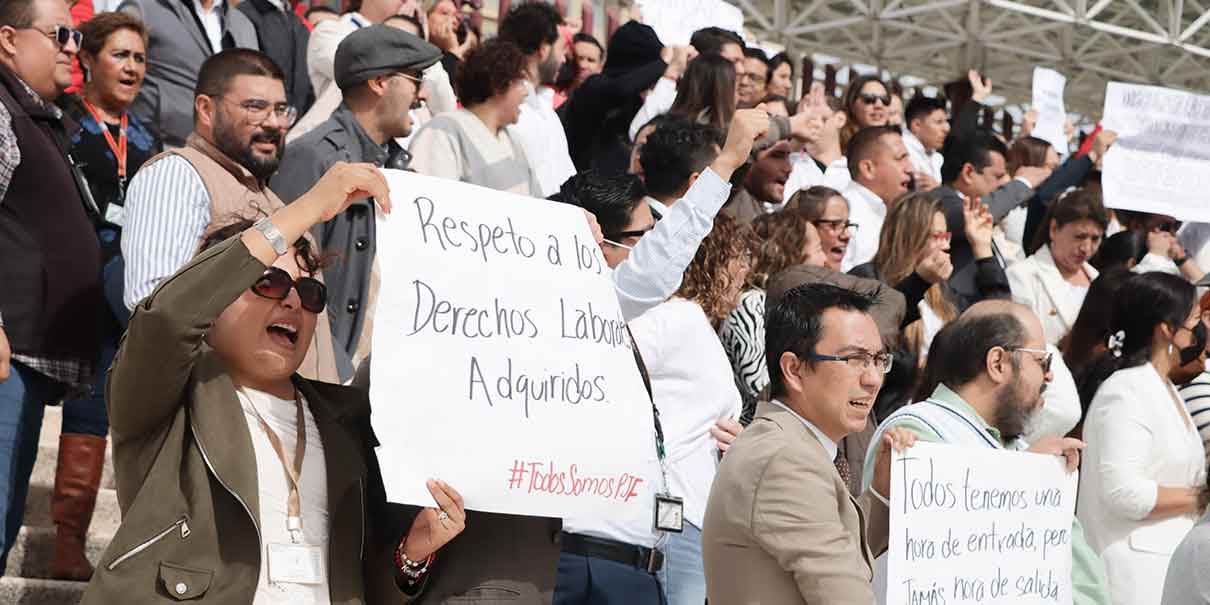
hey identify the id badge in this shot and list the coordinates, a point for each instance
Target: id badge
(669, 513)
(115, 215)
(295, 564)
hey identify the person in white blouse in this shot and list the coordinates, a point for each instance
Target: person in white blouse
(694, 389)
(1144, 461)
(1054, 280)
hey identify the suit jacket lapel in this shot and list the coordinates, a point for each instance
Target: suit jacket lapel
(192, 22)
(1052, 282)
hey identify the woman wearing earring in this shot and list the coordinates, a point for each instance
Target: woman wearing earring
(1144, 462)
(107, 149)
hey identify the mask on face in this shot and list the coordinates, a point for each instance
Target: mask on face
(1189, 353)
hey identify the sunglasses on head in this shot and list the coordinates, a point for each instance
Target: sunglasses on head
(870, 99)
(275, 284)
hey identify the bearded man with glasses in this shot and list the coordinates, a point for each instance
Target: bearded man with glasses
(178, 197)
(49, 255)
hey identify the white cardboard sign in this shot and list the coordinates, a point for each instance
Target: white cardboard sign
(1161, 160)
(1048, 87)
(973, 525)
(501, 363)
(674, 21)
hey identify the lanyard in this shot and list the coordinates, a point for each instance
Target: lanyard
(293, 473)
(117, 147)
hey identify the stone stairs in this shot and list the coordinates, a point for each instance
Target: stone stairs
(26, 580)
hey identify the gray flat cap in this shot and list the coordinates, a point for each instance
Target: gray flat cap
(378, 50)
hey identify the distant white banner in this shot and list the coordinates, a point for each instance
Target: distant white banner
(1048, 103)
(674, 21)
(1161, 160)
(502, 364)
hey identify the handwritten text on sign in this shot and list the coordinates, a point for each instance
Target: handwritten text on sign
(1161, 160)
(501, 362)
(979, 526)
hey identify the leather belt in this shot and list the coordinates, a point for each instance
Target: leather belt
(648, 559)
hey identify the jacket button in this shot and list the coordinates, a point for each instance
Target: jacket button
(181, 588)
(360, 244)
(352, 307)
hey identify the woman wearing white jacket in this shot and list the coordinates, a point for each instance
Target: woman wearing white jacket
(1054, 280)
(1144, 459)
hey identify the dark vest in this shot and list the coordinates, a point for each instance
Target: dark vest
(50, 259)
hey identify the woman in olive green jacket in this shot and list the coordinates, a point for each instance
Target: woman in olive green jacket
(225, 325)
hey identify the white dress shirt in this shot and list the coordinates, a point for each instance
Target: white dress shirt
(693, 387)
(868, 211)
(212, 22)
(282, 416)
(541, 134)
(657, 103)
(805, 174)
(923, 160)
(829, 446)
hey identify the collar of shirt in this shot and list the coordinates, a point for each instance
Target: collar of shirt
(946, 396)
(216, 8)
(279, 4)
(873, 202)
(356, 19)
(540, 97)
(829, 446)
(38, 100)
(914, 144)
(371, 152)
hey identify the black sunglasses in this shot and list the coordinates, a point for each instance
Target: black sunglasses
(870, 99)
(275, 284)
(621, 235)
(62, 34)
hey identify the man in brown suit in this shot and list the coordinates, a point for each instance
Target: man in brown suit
(781, 526)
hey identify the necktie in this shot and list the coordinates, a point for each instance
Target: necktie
(842, 466)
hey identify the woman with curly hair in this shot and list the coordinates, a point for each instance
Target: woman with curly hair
(784, 239)
(694, 390)
(472, 144)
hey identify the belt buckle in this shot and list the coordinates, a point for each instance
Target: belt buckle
(654, 564)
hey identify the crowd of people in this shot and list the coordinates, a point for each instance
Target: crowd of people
(188, 265)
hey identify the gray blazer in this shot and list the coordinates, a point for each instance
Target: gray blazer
(999, 203)
(176, 48)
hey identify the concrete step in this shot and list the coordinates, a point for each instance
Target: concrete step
(105, 517)
(34, 591)
(35, 547)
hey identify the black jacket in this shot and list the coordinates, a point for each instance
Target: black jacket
(283, 37)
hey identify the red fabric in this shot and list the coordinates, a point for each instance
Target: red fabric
(300, 9)
(1086, 146)
(81, 11)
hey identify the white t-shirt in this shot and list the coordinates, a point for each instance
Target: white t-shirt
(282, 416)
(693, 387)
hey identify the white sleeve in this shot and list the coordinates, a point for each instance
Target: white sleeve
(167, 210)
(1126, 489)
(441, 97)
(654, 269)
(1154, 262)
(657, 103)
(321, 52)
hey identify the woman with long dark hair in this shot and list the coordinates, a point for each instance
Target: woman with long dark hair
(867, 102)
(706, 93)
(1144, 462)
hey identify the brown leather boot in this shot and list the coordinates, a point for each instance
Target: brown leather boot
(77, 479)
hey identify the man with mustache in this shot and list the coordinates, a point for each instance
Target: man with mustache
(240, 118)
(984, 381)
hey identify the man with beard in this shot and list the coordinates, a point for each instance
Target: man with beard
(534, 28)
(984, 380)
(240, 117)
(378, 70)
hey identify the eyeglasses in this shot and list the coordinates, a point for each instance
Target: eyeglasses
(756, 79)
(836, 225)
(870, 99)
(941, 236)
(258, 111)
(859, 361)
(1044, 361)
(276, 284)
(62, 34)
(414, 79)
(621, 235)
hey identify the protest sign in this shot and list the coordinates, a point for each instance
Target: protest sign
(1048, 103)
(1161, 160)
(674, 21)
(501, 362)
(973, 525)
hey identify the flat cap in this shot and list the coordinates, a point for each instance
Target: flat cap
(378, 50)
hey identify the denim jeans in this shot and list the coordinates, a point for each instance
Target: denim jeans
(87, 415)
(683, 576)
(22, 400)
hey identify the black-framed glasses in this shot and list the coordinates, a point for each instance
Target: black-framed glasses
(62, 34)
(1044, 360)
(258, 111)
(861, 361)
(275, 284)
(870, 99)
(836, 225)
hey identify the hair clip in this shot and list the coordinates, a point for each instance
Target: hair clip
(1115, 342)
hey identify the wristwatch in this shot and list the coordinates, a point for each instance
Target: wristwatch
(274, 237)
